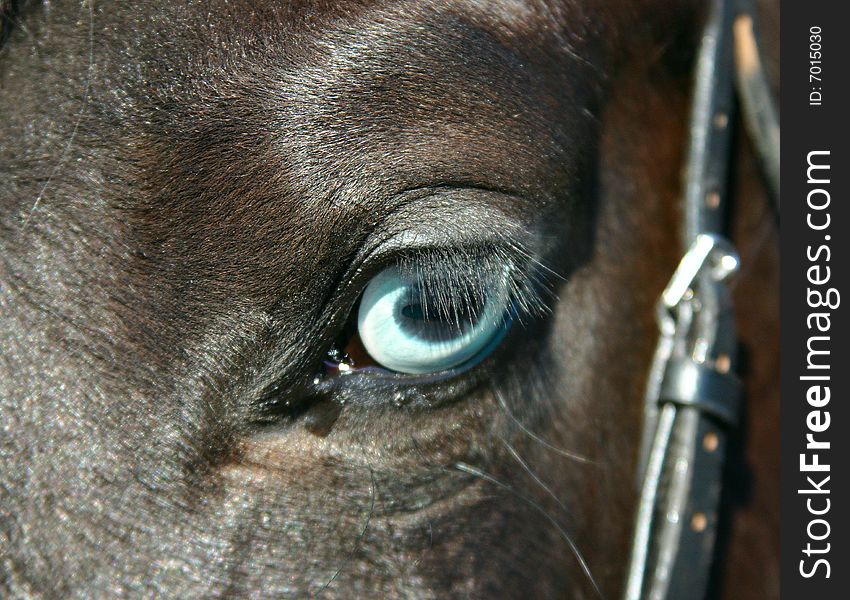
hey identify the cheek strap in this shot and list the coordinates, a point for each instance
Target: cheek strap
(693, 397)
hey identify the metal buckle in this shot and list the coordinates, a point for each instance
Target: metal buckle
(707, 251)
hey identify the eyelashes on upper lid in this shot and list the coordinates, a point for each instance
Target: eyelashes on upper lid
(441, 310)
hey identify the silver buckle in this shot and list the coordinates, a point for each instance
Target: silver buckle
(707, 251)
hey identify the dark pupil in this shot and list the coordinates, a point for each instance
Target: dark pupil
(414, 311)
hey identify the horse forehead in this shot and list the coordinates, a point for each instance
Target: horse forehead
(300, 139)
(369, 84)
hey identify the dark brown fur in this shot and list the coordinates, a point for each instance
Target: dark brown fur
(186, 220)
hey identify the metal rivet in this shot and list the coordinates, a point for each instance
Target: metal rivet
(710, 441)
(728, 264)
(721, 119)
(712, 199)
(723, 363)
(699, 522)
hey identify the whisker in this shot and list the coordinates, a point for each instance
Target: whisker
(470, 470)
(537, 438)
(534, 475)
(359, 537)
(67, 149)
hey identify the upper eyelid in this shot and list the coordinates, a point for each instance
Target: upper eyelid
(453, 217)
(352, 286)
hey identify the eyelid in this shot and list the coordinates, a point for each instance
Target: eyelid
(521, 262)
(433, 217)
(452, 218)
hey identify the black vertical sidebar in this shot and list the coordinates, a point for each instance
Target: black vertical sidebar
(815, 299)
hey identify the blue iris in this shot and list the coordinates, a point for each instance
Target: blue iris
(406, 331)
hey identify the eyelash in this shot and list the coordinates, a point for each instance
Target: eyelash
(445, 276)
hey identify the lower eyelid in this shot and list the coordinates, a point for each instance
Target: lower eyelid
(366, 376)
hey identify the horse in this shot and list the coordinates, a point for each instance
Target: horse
(206, 206)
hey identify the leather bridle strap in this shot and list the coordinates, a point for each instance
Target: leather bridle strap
(692, 402)
(692, 397)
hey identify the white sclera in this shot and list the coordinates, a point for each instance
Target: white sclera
(380, 320)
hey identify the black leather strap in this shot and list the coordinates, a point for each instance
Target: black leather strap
(692, 566)
(692, 395)
(703, 388)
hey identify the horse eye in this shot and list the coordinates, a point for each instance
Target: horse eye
(410, 327)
